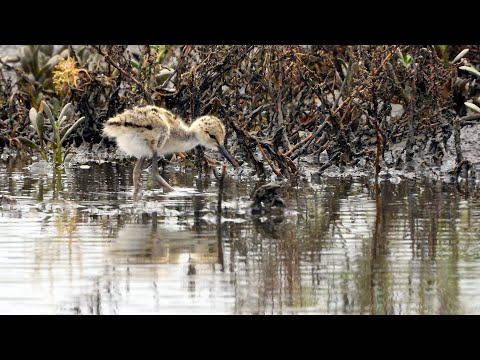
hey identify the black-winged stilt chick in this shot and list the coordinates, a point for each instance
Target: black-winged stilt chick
(150, 131)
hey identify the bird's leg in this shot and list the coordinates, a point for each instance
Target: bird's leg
(137, 170)
(156, 176)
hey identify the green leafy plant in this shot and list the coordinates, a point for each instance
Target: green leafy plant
(405, 58)
(37, 63)
(162, 72)
(475, 72)
(470, 69)
(443, 53)
(38, 60)
(162, 51)
(59, 132)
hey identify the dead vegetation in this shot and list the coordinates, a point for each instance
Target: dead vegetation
(351, 104)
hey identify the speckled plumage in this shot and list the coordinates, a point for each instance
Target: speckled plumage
(139, 130)
(150, 131)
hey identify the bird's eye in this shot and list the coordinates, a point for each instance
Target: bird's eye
(212, 137)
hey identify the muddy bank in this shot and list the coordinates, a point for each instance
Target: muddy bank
(390, 111)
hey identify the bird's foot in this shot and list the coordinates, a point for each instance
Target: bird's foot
(137, 170)
(136, 195)
(161, 181)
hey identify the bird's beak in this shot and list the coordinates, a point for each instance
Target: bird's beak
(225, 153)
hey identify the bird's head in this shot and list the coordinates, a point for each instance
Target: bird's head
(210, 133)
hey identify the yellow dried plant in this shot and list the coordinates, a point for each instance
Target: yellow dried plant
(66, 76)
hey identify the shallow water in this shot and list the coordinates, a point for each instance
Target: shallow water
(75, 243)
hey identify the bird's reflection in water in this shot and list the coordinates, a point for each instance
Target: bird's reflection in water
(154, 244)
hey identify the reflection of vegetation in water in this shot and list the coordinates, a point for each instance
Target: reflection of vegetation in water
(275, 268)
(57, 183)
(395, 270)
(343, 247)
(46, 187)
(66, 223)
(448, 284)
(62, 249)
